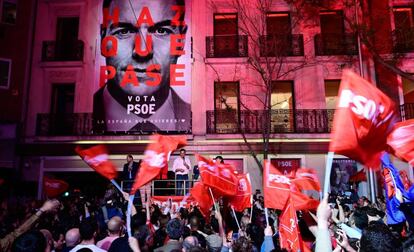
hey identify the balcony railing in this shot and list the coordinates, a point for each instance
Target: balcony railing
(336, 44)
(77, 124)
(282, 121)
(226, 46)
(280, 45)
(403, 40)
(62, 51)
(407, 111)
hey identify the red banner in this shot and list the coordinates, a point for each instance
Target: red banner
(363, 119)
(242, 199)
(290, 238)
(202, 196)
(54, 187)
(401, 141)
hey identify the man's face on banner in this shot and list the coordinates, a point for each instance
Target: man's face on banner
(126, 33)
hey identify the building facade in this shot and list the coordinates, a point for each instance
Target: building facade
(218, 71)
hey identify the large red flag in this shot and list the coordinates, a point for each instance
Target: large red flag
(97, 158)
(54, 187)
(307, 179)
(363, 118)
(401, 141)
(290, 238)
(156, 158)
(220, 177)
(202, 196)
(278, 187)
(242, 199)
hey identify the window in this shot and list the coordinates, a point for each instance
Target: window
(5, 70)
(63, 98)
(331, 22)
(403, 18)
(67, 29)
(404, 29)
(331, 93)
(283, 104)
(408, 90)
(333, 40)
(226, 104)
(278, 23)
(8, 11)
(226, 35)
(279, 38)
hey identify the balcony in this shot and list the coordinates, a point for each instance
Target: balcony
(281, 45)
(77, 124)
(403, 40)
(282, 121)
(336, 44)
(407, 111)
(226, 46)
(57, 51)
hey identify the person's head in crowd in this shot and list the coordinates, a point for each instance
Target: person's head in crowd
(142, 235)
(359, 219)
(183, 213)
(49, 239)
(374, 214)
(31, 241)
(377, 237)
(214, 243)
(58, 240)
(197, 249)
(174, 229)
(194, 223)
(242, 245)
(190, 242)
(85, 250)
(115, 225)
(164, 219)
(87, 230)
(72, 237)
(219, 160)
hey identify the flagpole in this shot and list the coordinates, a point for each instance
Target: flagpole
(116, 185)
(267, 170)
(328, 168)
(235, 217)
(212, 196)
(251, 208)
(267, 217)
(128, 215)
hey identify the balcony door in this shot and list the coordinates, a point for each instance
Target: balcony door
(404, 29)
(226, 106)
(226, 35)
(283, 105)
(278, 30)
(62, 107)
(67, 30)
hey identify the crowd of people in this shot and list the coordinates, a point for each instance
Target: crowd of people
(79, 223)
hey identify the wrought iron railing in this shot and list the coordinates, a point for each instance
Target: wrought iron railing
(407, 111)
(226, 46)
(336, 44)
(62, 51)
(403, 40)
(281, 121)
(281, 45)
(76, 124)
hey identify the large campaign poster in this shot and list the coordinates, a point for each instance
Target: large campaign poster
(342, 170)
(145, 75)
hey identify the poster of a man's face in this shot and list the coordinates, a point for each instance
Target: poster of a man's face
(147, 71)
(342, 170)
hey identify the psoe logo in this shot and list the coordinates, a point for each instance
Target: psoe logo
(96, 160)
(279, 179)
(360, 105)
(242, 185)
(154, 159)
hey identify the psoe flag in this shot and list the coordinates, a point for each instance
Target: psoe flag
(98, 159)
(363, 119)
(401, 141)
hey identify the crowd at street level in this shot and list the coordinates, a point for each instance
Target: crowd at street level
(77, 223)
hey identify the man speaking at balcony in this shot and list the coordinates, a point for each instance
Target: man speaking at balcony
(142, 41)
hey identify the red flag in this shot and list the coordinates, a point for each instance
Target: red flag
(290, 238)
(358, 177)
(242, 199)
(97, 158)
(307, 179)
(401, 141)
(156, 158)
(220, 177)
(363, 118)
(201, 195)
(388, 183)
(405, 180)
(54, 187)
(278, 187)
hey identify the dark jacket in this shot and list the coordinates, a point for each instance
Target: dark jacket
(126, 174)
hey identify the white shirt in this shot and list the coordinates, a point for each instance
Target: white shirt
(92, 247)
(179, 164)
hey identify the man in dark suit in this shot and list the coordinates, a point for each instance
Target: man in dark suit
(130, 168)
